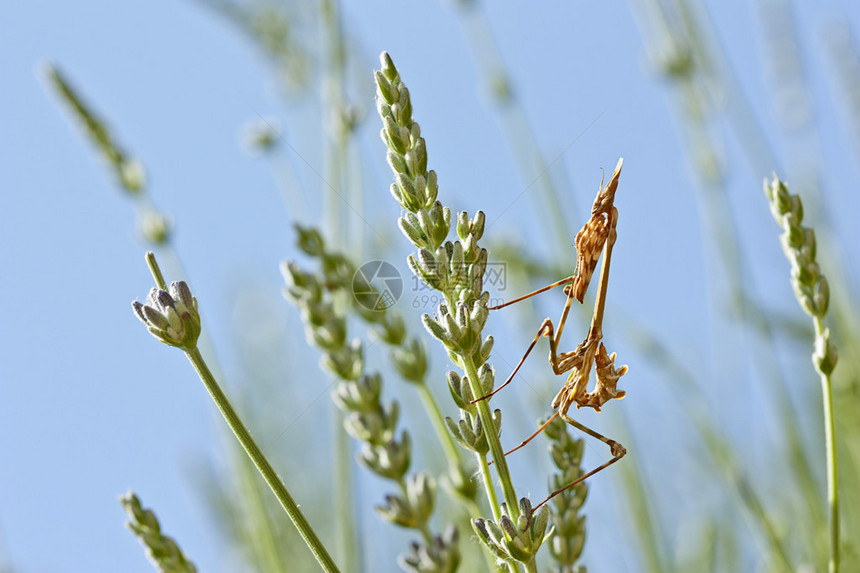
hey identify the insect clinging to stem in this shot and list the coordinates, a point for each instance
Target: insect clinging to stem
(597, 236)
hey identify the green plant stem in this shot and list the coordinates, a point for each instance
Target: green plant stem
(484, 413)
(468, 366)
(453, 454)
(652, 545)
(723, 224)
(176, 268)
(258, 527)
(724, 231)
(709, 431)
(830, 446)
(254, 524)
(724, 458)
(343, 507)
(277, 486)
(487, 478)
(445, 437)
(332, 93)
(498, 454)
(492, 439)
(293, 194)
(334, 159)
(754, 505)
(761, 159)
(155, 270)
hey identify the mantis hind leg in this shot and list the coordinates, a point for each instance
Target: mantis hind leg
(618, 451)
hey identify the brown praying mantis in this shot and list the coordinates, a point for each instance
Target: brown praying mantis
(598, 234)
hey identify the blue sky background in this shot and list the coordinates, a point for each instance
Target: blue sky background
(91, 406)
